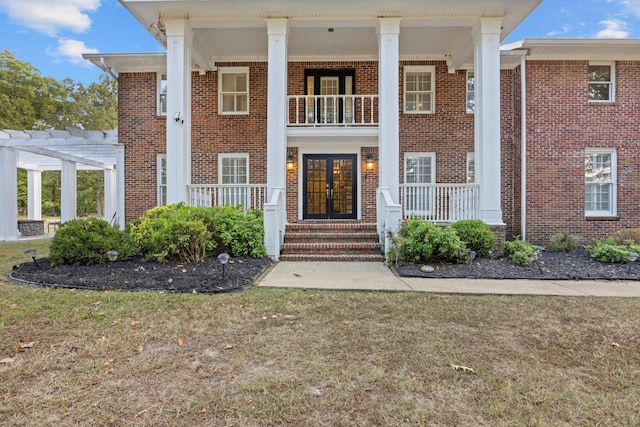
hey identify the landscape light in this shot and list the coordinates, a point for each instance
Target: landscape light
(31, 253)
(113, 256)
(224, 259)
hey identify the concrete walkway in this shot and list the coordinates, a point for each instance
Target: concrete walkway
(375, 276)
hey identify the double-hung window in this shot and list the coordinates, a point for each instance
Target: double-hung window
(161, 165)
(233, 173)
(233, 90)
(471, 92)
(162, 94)
(600, 182)
(601, 82)
(471, 168)
(419, 170)
(419, 89)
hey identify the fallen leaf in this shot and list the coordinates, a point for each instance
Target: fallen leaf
(462, 368)
(115, 322)
(346, 322)
(170, 280)
(102, 340)
(203, 410)
(76, 310)
(140, 349)
(7, 360)
(22, 345)
(109, 371)
(96, 303)
(13, 305)
(615, 344)
(134, 322)
(228, 347)
(29, 344)
(180, 341)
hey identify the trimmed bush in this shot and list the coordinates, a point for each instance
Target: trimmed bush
(630, 234)
(476, 235)
(519, 251)
(563, 242)
(86, 241)
(421, 241)
(608, 250)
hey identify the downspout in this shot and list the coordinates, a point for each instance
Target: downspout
(106, 68)
(523, 147)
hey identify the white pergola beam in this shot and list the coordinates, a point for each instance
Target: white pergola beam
(66, 157)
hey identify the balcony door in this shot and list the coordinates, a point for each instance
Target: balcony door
(326, 90)
(329, 186)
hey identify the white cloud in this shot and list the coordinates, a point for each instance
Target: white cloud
(51, 16)
(613, 29)
(71, 51)
(632, 6)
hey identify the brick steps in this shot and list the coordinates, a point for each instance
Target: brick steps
(331, 241)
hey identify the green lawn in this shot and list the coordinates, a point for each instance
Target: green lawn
(291, 357)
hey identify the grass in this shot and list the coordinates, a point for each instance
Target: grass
(267, 357)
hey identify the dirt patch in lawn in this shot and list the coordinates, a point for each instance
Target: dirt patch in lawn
(137, 274)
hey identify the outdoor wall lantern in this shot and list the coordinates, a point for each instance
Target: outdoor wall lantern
(290, 163)
(31, 253)
(113, 257)
(224, 259)
(370, 162)
(632, 257)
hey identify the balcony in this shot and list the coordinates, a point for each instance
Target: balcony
(333, 111)
(440, 203)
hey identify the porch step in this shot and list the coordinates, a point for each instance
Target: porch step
(345, 240)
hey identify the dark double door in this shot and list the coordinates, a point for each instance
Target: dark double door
(329, 186)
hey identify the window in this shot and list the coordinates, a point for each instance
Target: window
(471, 168)
(601, 82)
(162, 179)
(419, 169)
(600, 182)
(419, 89)
(162, 94)
(234, 169)
(233, 90)
(471, 92)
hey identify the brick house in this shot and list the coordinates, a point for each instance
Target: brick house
(358, 112)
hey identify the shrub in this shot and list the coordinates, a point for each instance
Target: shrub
(563, 242)
(608, 250)
(421, 241)
(476, 235)
(631, 234)
(519, 251)
(86, 241)
(237, 232)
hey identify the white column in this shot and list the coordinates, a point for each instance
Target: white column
(388, 93)
(34, 194)
(487, 118)
(8, 195)
(179, 39)
(120, 191)
(68, 191)
(276, 105)
(110, 195)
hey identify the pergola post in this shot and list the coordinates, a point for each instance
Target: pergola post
(8, 195)
(34, 194)
(68, 191)
(110, 196)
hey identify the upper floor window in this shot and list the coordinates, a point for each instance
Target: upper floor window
(162, 179)
(162, 94)
(471, 168)
(233, 90)
(600, 182)
(471, 92)
(419, 89)
(601, 82)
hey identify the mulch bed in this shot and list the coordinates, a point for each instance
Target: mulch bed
(136, 275)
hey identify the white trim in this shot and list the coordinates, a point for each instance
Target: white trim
(613, 210)
(471, 159)
(159, 184)
(611, 83)
(159, 94)
(232, 70)
(467, 92)
(430, 200)
(422, 69)
(222, 156)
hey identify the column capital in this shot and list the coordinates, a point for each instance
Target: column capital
(178, 28)
(277, 26)
(486, 26)
(389, 25)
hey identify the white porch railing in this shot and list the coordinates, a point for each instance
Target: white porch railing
(333, 110)
(389, 216)
(250, 196)
(440, 202)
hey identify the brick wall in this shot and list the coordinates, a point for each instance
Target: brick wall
(561, 124)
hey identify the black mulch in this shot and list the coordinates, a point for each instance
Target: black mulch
(136, 275)
(575, 265)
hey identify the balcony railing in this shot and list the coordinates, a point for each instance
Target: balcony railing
(445, 203)
(333, 110)
(250, 196)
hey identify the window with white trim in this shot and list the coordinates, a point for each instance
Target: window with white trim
(602, 82)
(419, 170)
(419, 89)
(162, 94)
(233, 171)
(600, 182)
(233, 90)
(162, 179)
(471, 168)
(471, 92)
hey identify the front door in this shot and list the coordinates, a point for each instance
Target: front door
(329, 186)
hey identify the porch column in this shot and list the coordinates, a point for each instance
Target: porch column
(277, 30)
(388, 93)
(68, 191)
(8, 195)
(120, 196)
(487, 118)
(34, 194)
(179, 39)
(110, 194)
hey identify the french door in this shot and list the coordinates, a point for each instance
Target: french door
(329, 186)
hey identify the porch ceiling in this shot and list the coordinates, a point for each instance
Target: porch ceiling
(236, 29)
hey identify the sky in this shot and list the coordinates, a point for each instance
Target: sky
(51, 35)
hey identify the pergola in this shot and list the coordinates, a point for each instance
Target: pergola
(66, 151)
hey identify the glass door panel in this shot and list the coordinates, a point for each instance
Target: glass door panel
(330, 186)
